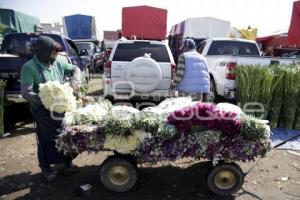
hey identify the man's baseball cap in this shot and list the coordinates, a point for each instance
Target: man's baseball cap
(188, 43)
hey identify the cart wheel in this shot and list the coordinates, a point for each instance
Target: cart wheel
(118, 174)
(225, 179)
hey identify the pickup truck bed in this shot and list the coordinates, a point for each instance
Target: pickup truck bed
(9, 71)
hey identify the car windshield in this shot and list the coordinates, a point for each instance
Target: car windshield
(89, 46)
(23, 43)
(237, 48)
(130, 51)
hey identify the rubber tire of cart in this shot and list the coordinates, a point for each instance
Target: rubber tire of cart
(118, 161)
(128, 157)
(235, 169)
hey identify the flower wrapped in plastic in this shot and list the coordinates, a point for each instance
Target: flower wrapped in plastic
(172, 104)
(92, 114)
(149, 119)
(125, 144)
(254, 129)
(121, 120)
(57, 97)
(106, 104)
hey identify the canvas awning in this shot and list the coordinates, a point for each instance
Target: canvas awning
(294, 30)
(203, 27)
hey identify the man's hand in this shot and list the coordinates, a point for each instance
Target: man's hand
(75, 86)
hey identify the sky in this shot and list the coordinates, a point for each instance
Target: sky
(266, 15)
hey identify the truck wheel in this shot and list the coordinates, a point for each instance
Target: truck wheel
(225, 179)
(118, 174)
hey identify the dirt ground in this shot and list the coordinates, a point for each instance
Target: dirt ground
(275, 177)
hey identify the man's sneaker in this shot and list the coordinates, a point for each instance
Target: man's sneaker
(49, 176)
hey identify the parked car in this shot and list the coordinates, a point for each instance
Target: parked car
(139, 69)
(223, 55)
(94, 57)
(17, 49)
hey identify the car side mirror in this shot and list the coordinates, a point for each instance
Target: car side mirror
(83, 52)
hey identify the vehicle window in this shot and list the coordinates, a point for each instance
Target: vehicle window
(89, 46)
(128, 52)
(233, 48)
(18, 44)
(201, 47)
(72, 48)
(23, 43)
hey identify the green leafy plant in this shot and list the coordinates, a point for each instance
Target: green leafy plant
(276, 87)
(277, 99)
(291, 97)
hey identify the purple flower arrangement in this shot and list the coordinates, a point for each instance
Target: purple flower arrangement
(77, 139)
(200, 131)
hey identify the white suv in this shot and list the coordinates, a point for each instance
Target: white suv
(140, 69)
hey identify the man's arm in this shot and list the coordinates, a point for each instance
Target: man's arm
(27, 86)
(29, 95)
(76, 74)
(179, 73)
(71, 69)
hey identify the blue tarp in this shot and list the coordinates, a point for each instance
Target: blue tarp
(79, 26)
(279, 135)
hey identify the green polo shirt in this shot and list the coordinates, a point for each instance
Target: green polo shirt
(31, 76)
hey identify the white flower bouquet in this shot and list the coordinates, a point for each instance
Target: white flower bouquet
(153, 120)
(57, 97)
(121, 120)
(125, 144)
(91, 114)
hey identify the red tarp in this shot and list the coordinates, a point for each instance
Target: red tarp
(144, 22)
(294, 30)
(274, 40)
(111, 35)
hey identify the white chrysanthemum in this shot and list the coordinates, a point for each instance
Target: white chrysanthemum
(68, 119)
(172, 104)
(57, 97)
(90, 114)
(155, 110)
(227, 107)
(125, 109)
(124, 144)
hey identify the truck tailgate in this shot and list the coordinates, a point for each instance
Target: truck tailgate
(10, 67)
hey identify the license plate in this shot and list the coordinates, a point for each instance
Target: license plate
(4, 75)
(8, 75)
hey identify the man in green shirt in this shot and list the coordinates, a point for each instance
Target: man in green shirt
(46, 66)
